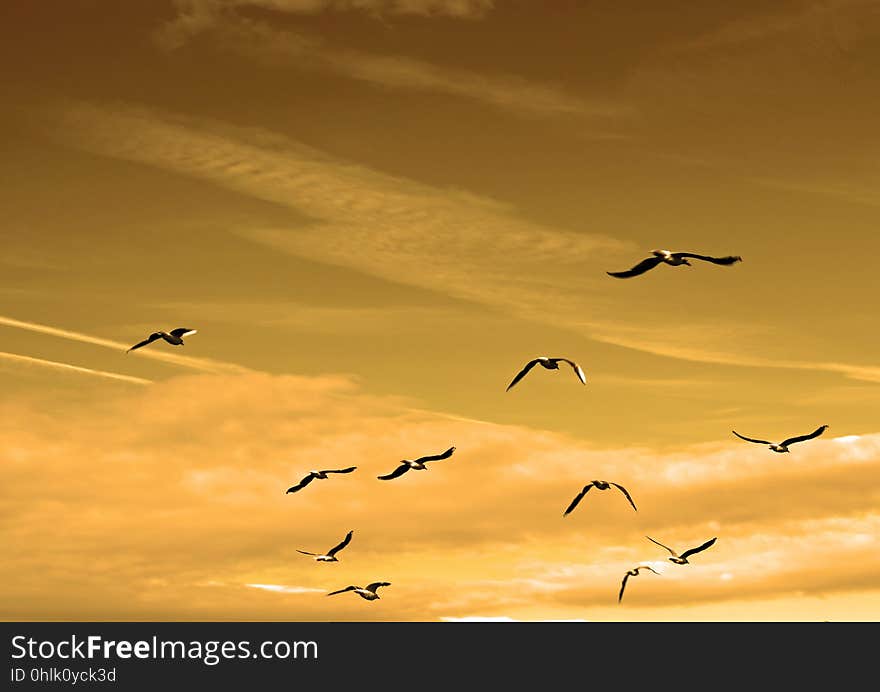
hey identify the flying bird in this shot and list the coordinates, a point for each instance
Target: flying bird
(550, 364)
(368, 592)
(417, 464)
(683, 558)
(331, 554)
(174, 337)
(632, 573)
(317, 474)
(674, 259)
(782, 447)
(598, 485)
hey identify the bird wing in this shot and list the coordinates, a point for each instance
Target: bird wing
(182, 332)
(731, 259)
(436, 457)
(801, 438)
(302, 484)
(345, 542)
(346, 470)
(577, 370)
(622, 587)
(399, 471)
(150, 339)
(749, 439)
(577, 499)
(305, 553)
(522, 373)
(640, 268)
(671, 551)
(376, 584)
(347, 588)
(647, 567)
(623, 490)
(698, 549)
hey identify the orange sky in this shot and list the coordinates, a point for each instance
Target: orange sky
(375, 213)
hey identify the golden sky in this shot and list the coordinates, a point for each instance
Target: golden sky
(375, 212)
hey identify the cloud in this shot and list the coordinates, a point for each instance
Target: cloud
(203, 364)
(679, 343)
(395, 228)
(260, 41)
(67, 367)
(796, 558)
(479, 618)
(836, 21)
(195, 17)
(459, 9)
(317, 319)
(279, 588)
(500, 618)
(507, 92)
(192, 496)
(380, 224)
(854, 191)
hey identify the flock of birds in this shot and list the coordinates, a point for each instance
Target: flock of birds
(369, 592)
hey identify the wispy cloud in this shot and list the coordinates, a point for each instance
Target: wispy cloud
(837, 21)
(316, 319)
(280, 588)
(861, 191)
(401, 72)
(197, 16)
(383, 225)
(395, 228)
(203, 364)
(683, 348)
(260, 41)
(67, 367)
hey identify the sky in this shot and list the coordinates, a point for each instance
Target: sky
(375, 212)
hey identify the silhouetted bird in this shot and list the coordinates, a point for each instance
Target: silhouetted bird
(550, 364)
(417, 464)
(683, 558)
(782, 447)
(368, 592)
(632, 573)
(598, 485)
(174, 337)
(317, 474)
(331, 554)
(674, 259)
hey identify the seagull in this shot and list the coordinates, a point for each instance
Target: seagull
(331, 554)
(550, 364)
(782, 447)
(417, 465)
(674, 259)
(317, 474)
(683, 558)
(632, 573)
(598, 485)
(174, 337)
(368, 592)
